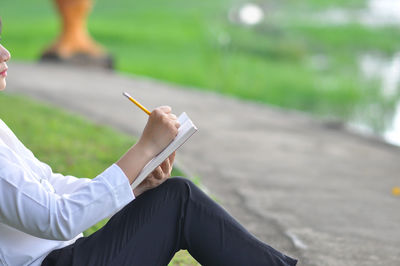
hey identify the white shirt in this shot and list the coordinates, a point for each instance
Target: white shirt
(41, 211)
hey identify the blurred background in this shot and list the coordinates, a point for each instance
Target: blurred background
(336, 59)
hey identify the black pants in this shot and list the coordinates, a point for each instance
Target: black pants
(152, 228)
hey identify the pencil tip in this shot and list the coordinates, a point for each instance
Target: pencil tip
(125, 94)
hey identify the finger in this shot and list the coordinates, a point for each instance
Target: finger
(158, 173)
(150, 176)
(177, 124)
(153, 175)
(165, 166)
(171, 158)
(146, 183)
(172, 116)
(166, 109)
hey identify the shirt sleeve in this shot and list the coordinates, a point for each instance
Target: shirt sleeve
(25, 204)
(63, 184)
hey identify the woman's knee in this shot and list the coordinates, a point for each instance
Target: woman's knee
(175, 189)
(180, 186)
(179, 183)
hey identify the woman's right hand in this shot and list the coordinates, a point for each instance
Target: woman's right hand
(160, 130)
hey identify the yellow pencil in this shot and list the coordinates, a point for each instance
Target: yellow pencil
(137, 103)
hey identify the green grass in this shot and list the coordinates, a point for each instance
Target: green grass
(272, 63)
(69, 144)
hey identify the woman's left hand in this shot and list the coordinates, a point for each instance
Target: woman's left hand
(157, 177)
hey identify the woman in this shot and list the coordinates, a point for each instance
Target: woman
(42, 214)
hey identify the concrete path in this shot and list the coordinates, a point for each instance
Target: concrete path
(320, 194)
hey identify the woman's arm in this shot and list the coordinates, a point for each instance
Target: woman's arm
(31, 207)
(159, 131)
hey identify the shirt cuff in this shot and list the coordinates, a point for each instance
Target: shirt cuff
(119, 184)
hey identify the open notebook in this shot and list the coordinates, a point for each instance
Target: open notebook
(185, 131)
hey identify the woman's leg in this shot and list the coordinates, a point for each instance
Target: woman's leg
(176, 215)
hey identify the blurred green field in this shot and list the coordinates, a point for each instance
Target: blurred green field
(195, 44)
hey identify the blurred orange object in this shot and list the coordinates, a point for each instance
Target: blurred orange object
(75, 40)
(396, 191)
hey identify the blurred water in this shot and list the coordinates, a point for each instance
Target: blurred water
(392, 135)
(374, 68)
(386, 71)
(376, 13)
(382, 12)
